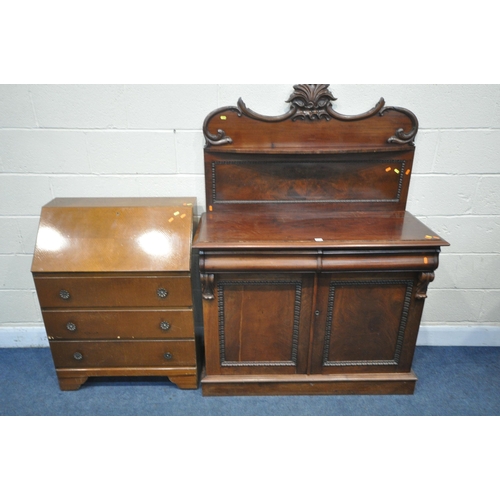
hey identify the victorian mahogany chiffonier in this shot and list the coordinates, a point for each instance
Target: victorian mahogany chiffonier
(313, 274)
(113, 278)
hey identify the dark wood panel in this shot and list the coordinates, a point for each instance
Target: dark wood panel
(73, 324)
(370, 182)
(261, 323)
(313, 385)
(307, 136)
(364, 323)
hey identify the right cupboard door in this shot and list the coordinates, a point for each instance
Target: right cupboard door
(365, 322)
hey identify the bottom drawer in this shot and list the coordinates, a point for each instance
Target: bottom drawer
(107, 354)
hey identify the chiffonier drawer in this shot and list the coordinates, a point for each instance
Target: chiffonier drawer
(106, 354)
(70, 324)
(105, 291)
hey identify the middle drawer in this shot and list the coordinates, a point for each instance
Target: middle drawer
(122, 324)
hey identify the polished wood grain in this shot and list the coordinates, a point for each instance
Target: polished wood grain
(310, 385)
(98, 324)
(113, 277)
(316, 200)
(100, 235)
(313, 229)
(246, 309)
(356, 182)
(239, 129)
(132, 290)
(117, 354)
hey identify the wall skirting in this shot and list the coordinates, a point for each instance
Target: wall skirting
(24, 336)
(431, 335)
(463, 335)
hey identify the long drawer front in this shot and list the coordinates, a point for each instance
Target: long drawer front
(109, 354)
(104, 291)
(68, 324)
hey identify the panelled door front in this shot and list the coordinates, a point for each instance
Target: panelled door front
(262, 323)
(364, 323)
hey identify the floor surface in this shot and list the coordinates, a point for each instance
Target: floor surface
(452, 381)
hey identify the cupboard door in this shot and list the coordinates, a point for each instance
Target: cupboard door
(258, 324)
(365, 323)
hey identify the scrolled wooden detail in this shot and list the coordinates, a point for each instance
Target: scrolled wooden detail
(312, 102)
(423, 282)
(401, 136)
(220, 138)
(256, 116)
(207, 286)
(346, 118)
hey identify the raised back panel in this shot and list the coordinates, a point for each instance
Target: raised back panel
(310, 156)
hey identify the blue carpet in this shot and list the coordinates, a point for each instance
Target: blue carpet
(462, 381)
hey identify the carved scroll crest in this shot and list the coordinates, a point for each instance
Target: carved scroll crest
(311, 102)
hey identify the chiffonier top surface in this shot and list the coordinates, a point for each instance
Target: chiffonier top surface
(114, 235)
(314, 230)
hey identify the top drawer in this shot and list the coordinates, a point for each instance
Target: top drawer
(114, 291)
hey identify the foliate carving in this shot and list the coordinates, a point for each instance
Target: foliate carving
(312, 102)
(423, 282)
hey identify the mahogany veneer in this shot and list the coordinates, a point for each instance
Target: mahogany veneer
(313, 274)
(113, 277)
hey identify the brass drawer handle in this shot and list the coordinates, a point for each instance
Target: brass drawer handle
(70, 326)
(78, 356)
(162, 293)
(64, 294)
(165, 325)
(168, 355)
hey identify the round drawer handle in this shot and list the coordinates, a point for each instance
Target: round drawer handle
(71, 326)
(162, 293)
(168, 355)
(78, 356)
(64, 294)
(165, 325)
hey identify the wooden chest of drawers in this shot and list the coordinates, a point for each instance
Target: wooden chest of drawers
(113, 278)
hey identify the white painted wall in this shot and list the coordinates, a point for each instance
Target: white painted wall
(146, 140)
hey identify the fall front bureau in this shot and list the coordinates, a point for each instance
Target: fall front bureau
(113, 278)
